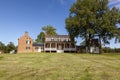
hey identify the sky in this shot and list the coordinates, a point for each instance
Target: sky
(18, 16)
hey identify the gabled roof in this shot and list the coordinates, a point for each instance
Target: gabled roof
(26, 35)
(58, 36)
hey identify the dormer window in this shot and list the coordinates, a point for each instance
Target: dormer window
(52, 39)
(66, 39)
(59, 39)
(69, 40)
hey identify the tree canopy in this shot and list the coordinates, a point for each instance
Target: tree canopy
(93, 18)
(7, 48)
(10, 46)
(40, 37)
(2, 46)
(48, 30)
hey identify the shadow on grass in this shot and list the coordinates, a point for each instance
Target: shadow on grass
(105, 76)
(1, 57)
(87, 75)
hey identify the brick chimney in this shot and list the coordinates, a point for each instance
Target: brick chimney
(26, 33)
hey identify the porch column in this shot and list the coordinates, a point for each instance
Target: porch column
(50, 47)
(75, 48)
(56, 46)
(69, 47)
(64, 45)
(44, 47)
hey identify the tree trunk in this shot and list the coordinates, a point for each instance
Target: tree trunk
(100, 48)
(89, 42)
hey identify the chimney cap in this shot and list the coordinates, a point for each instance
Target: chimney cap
(26, 33)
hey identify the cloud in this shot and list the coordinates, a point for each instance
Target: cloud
(115, 3)
(63, 2)
(112, 3)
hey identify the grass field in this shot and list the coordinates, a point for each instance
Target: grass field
(45, 66)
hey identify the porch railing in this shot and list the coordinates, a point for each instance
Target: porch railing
(49, 49)
(55, 49)
(69, 49)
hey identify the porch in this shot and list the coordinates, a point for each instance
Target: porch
(59, 47)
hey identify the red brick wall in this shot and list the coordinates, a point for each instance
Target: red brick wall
(23, 47)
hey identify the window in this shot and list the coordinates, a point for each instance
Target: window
(36, 48)
(52, 45)
(52, 39)
(95, 48)
(28, 41)
(47, 45)
(67, 45)
(59, 39)
(27, 48)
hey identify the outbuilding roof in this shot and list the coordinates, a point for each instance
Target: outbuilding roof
(38, 44)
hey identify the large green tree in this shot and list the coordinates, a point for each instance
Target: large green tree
(93, 18)
(41, 37)
(48, 31)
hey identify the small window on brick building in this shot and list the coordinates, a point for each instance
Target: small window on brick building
(28, 42)
(36, 48)
(27, 48)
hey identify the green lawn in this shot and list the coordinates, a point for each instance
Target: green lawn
(45, 66)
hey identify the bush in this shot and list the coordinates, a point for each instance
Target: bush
(111, 50)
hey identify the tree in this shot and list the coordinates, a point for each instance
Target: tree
(93, 18)
(40, 37)
(49, 30)
(83, 43)
(10, 46)
(2, 46)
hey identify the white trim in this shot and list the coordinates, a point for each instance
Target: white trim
(50, 49)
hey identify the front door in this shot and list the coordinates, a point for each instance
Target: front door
(59, 47)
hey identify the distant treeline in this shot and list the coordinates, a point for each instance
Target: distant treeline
(111, 50)
(7, 48)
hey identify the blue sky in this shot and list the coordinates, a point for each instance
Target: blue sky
(18, 16)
